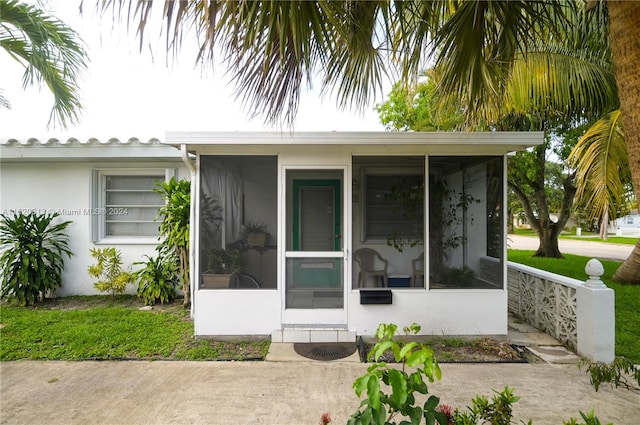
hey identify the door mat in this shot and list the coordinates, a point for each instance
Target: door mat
(325, 351)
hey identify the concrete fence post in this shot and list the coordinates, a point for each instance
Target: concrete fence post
(595, 319)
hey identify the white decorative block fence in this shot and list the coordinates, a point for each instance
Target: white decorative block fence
(579, 314)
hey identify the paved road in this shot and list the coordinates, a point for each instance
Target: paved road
(599, 250)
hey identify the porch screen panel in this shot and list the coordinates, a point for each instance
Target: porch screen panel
(466, 232)
(388, 217)
(237, 192)
(318, 211)
(314, 283)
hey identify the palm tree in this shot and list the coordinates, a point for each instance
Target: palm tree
(50, 51)
(272, 47)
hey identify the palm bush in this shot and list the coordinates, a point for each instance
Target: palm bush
(175, 226)
(32, 258)
(158, 279)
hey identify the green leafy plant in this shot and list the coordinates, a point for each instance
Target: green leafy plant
(175, 226)
(381, 408)
(589, 418)
(108, 269)
(32, 258)
(614, 373)
(253, 227)
(225, 261)
(158, 279)
(455, 276)
(498, 411)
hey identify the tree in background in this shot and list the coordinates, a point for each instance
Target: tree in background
(418, 107)
(51, 53)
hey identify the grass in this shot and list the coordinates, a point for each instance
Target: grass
(627, 297)
(83, 328)
(590, 237)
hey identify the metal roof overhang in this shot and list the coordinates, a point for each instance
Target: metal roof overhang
(360, 143)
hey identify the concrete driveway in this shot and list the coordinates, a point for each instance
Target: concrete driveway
(141, 392)
(599, 250)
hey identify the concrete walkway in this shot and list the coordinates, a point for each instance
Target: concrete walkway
(141, 392)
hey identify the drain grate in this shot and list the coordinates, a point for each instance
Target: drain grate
(325, 351)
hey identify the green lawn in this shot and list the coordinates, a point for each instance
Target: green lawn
(627, 297)
(75, 328)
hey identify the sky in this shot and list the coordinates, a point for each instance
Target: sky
(126, 93)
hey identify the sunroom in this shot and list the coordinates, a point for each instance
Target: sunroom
(315, 237)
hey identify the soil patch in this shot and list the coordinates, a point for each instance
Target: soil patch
(483, 350)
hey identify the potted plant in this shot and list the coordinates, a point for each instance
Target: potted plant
(255, 233)
(223, 264)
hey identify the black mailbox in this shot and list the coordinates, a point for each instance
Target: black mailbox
(375, 296)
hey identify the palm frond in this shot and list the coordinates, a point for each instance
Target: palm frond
(51, 52)
(602, 166)
(558, 80)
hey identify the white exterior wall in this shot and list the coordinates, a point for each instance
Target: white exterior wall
(438, 312)
(236, 312)
(64, 186)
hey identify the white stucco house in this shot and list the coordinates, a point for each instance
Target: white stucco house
(104, 186)
(322, 197)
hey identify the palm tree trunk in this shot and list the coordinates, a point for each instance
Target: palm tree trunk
(625, 45)
(604, 225)
(184, 276)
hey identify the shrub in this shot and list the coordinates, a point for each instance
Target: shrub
(109, 270)
(382, 408)
(32, 258)
(158, 279)
(497, 411)
(175, 226)
(614, 373)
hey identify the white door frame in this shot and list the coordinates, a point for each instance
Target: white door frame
(317, 317)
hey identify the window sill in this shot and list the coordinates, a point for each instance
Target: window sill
(131, 240)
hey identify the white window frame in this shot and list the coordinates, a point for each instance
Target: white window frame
(98, 200)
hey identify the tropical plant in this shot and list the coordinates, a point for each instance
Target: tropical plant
(602, 171)
(589, 418)
(253, 227)
(615, 373)
(158, 278)
(51, 53)
(108, 269)
(498, 411)
(225, 261)
(32, 255)
(382, 408)
(174, 228)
